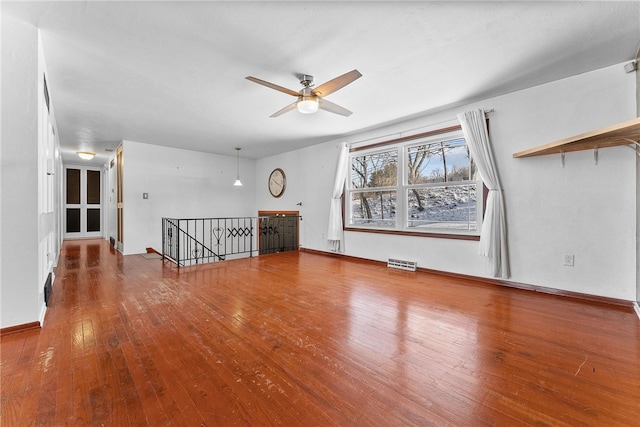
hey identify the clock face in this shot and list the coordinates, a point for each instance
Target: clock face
(277, 182)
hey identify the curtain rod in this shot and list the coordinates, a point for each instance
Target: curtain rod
(487, 111)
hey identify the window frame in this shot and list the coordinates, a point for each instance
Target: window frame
(401, 144)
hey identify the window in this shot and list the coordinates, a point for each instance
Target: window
(423, 184)
(374, 179)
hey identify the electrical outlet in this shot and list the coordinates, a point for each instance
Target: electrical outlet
(568, 260)
(322, 235)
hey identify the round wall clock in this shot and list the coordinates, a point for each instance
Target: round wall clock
(277, 182)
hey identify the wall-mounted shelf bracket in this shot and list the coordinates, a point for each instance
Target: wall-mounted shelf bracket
(595, 155)
(635, 147)
(562, 158)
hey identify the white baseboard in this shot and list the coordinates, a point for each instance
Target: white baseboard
(636, 306)
(43, 311)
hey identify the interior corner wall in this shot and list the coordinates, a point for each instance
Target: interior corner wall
(582, 209)
(180, 184)
(19, 268)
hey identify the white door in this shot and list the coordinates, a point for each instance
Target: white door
(83, 202)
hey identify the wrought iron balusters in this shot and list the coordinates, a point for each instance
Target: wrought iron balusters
(201, 240)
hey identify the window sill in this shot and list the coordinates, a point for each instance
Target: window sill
(473, 237)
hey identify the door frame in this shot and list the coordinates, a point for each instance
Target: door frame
(83, 206)
(120, 199)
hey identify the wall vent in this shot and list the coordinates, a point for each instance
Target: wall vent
(402, 264)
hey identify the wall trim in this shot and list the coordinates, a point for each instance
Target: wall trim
(153, 251)
(43, 312)
(498, 282)
(636, 307)
(19, 328)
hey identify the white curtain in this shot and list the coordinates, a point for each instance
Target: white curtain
(335, 234)
(493, 235)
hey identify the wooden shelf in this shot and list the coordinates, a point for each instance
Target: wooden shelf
(610, 136)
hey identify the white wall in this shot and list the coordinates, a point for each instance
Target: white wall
(582, 209)
(30, 198)
(180, 184)
(19, 271)
(49, 176)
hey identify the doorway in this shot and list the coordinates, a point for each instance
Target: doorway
(278, 231)
(83, 202)
(119, 199)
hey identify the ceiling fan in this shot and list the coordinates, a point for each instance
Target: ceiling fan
(310, 98)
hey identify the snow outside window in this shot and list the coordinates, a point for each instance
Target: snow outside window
(374, 188)
(427, 185)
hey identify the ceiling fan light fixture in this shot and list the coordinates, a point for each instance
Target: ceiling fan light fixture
(86, 155)
(309, 100)
(308, 105)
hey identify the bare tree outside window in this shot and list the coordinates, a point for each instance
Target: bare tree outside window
(377, 170)
(436, 198)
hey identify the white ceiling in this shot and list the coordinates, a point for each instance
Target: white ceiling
(173, 72)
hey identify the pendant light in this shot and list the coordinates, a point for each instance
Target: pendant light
(238, 183)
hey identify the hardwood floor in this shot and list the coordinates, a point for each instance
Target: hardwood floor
(301, 339)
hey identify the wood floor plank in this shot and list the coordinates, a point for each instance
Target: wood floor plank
(303, 339)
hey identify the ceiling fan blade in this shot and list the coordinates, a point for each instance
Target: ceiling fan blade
(272, 86)
(323, 104)
(337, 83)
(285, 110)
